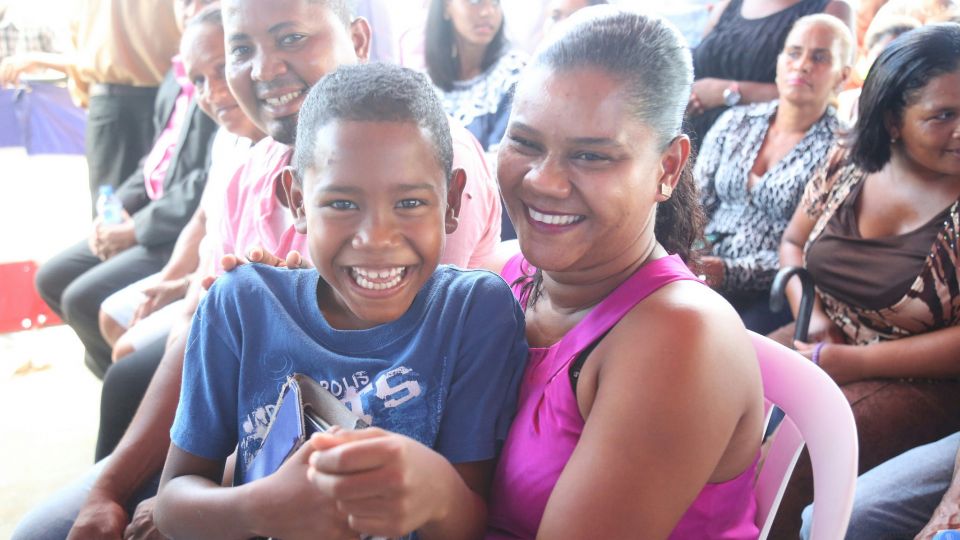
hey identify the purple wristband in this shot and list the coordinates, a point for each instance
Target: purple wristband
(815, 358)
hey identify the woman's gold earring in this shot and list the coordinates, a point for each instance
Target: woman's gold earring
(666, 190)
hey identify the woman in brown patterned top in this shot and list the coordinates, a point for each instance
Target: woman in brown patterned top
(877, 228)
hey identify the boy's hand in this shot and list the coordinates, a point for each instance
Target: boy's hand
(292, 508)
(256, 255)
(381, 480)
(142, 526)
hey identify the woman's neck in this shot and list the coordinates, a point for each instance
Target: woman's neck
(572, 292)
(902, 169)
(792, 118)
(470, 58)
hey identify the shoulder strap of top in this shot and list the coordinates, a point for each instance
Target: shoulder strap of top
(648, 279)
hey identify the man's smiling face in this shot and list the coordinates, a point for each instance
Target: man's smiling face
(277, 50)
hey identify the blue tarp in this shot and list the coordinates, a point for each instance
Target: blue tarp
(41, 118)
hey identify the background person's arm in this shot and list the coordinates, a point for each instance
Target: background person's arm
(140, 454)
(791, 254)
(932, 355)
(707, 93)
(12, 67)
(175, 277)
(947, 514)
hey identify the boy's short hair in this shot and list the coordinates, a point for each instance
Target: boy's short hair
(372, 93)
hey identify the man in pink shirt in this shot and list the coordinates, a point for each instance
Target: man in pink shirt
(275, 52)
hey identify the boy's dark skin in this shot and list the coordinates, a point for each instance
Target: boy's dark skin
(295, 43)
(374, 198)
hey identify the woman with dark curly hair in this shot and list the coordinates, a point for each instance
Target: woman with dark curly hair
(469, 61)
(877, 228)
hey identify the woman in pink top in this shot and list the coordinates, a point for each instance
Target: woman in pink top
(641, 409)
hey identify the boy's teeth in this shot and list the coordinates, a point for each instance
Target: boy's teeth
(284, 99)
(364, 277)
(554, 219)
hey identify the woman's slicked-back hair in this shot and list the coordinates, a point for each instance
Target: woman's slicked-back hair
(651, 59)
(905, 66)
(439, 39)
(377, 92)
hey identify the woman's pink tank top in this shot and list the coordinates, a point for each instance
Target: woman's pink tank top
(548, 425)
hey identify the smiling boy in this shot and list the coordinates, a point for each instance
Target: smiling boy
(440, 349)
(275, 52)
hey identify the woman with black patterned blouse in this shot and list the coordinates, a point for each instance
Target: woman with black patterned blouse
(756, 160)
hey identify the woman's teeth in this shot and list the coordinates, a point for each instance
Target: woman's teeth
(378, 280)
(554, 219)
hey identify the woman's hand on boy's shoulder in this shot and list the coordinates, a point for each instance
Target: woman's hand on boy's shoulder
(388, 484)
(230, 262)
(289, 506)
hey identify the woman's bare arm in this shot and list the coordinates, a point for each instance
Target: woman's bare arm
(932, 355)
(678, 404)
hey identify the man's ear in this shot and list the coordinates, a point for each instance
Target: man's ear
(362, 35)
(458, 180)
(672, 162)
(294, 194)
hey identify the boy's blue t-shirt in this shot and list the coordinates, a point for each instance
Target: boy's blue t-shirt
(446, 373)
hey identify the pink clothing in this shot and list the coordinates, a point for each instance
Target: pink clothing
(548, 425)
(228, 153)
(157, 162)
(479, 231)
(252, 214)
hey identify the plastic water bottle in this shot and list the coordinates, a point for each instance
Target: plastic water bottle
(109, 207)
(947, 535)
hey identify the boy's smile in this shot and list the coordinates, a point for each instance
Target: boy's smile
(374, 206)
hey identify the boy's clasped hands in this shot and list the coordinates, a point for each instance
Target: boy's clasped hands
(370, 482)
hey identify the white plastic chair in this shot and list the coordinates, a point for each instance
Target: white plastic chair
(819, 415)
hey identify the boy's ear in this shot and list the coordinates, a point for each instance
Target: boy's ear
(361, 34)
(293, 191)
(672, 162)
(458, 180)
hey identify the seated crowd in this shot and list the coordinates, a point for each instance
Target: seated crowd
(306, 212)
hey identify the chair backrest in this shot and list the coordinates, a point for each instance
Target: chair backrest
(818, 414)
